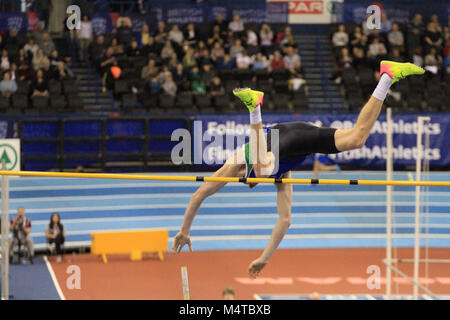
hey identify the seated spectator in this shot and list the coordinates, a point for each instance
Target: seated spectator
(416, 27)
(150, 49)
(386, 24)
(356, 37)
(297, 70)
(154, 85)
(21, 228)
(236, 25)
(47, 44)
(39, 87)
(260, 62)
(25, 72)
(180, 76)
(236, 48)
(251, 38)
(161, 34)
(98, 48)
(217, 52)
(191, 34)
(432, 37)
(377, 49)
(359, 57)
(169, 86)
(39, 60)
(173, 61)
(85, 33)
(266, 35)
(165, 72)
(198, 86)
(7, 86)
(143, 36)
(13, 71)
(133, 50)
(290, 58)
(48, 71)
(395, 37)
(226, 62)
(216, 36)
(124, 31)
(54, 58)
(150, 70)
(31, 48)
(435, 20)
(117, 48)
(433, 59)
(200, 47)
(208, 74)
(55, 235)
(176, 35)
(5, 63)
(243, 60)
(395, 55)
(277, 61)
(340, 37)
(216, 88)
(221, 24)
(418, 57)
(189, 61)
(62, 72)
(204, 57)
(282, 35)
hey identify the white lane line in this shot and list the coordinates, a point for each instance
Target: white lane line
(55, 281)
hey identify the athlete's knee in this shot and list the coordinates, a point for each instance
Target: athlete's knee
(286, 221)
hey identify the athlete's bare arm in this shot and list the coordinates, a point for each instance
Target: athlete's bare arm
(232, 168)
(284, 205)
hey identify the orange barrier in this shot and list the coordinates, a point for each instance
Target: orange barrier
(133, 242)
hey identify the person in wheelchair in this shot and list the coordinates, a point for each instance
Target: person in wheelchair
(21, 229)
(56, 235)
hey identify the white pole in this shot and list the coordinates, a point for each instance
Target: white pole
(5, 234)
(389, 169)
(420, 121)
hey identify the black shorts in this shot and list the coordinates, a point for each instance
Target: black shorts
(299, 139)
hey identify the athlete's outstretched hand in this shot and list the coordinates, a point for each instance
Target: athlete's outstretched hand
(180, 241)
(255, 267)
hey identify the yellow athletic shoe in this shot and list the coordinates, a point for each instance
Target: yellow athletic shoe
(398, 71)
(251, 98)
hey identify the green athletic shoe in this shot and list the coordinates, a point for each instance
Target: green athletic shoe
(398, 71)
(251, 98)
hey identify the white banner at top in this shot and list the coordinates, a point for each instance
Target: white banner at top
(310, 11)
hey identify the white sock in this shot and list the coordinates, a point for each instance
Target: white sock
(255, 116)
(382, 88)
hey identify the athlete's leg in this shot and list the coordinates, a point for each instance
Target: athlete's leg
(260, 160)
(356, 137)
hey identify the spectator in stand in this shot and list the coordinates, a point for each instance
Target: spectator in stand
(266, 35)
(150, 49)
(251, 38)
(433, 59)
(191, 34)
(198, 50)
(288, 41)
(161, 34)
(39, 87)
(236, 48)
(39, 32)
(221, 23)
(226, 63)
(180, 76)
(56, 235)
(198, 85)
(21, 228)
(54, 58)
(416, 27)
(143, 36)
(208, 74)
(236, 25)
(386, 24)
(282, 35)
(13, 71)
(435, 20)
(165, 72)
(432, 38)
(396, 55)
(260, 62)
(39, 60)
(154, 85)
(345, 61)
(124, 30)
(359, 56)
(216, 88)
(7, 86)
(277, 61)
(98, 49)
(150, 70)
(47, 44)
(116, 47)
(216, 36)
(48, 72)
(377, 49)
(217, 52)
(169, 86)
(340, 38)
(418, 57)
(189, 61)
(133, 50)
(243, 60)
(395, 38)
(31, 48)
(176, 35)
(85, 33)
(62, 72)
(25, 72)
(173, 62)
(290, 58)
(5, 64)
(204, 57)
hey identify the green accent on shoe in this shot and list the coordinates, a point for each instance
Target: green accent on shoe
(251, 98)
(398, 70)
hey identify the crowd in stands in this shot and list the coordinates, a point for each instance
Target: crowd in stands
(201, 63)
(32, 72)
(358, 51)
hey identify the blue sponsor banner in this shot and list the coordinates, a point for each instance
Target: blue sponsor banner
(216, 138)
(101, 23)
(13, 21)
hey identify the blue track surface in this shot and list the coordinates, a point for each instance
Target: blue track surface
(236, 217)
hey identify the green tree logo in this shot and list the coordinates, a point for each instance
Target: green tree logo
(8, 156)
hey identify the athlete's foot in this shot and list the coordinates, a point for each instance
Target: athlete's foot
(251, 98)
(398, 71)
